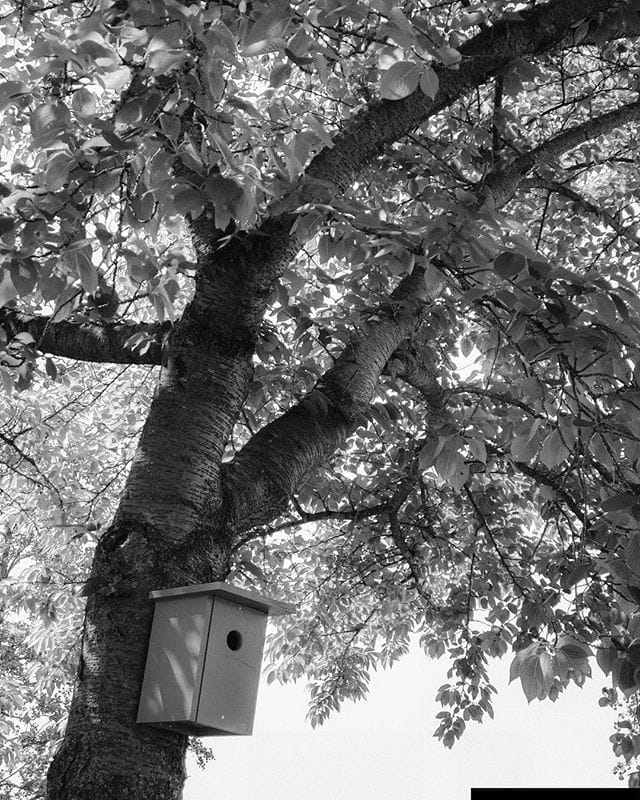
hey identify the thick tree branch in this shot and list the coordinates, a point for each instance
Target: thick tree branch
(354, 514)
(274, 462)
(626, 232)
(416, 370)
(88, 341)
(384, 122)
(543, 476)
(498, 397)
(500, 185)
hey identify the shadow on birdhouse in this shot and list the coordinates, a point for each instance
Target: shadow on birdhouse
(204, 658)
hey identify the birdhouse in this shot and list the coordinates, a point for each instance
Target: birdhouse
(204, 658)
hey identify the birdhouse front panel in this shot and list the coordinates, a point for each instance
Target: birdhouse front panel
(175, 659)
(232, 667)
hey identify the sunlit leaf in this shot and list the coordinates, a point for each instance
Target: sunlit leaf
(8, 291)
(11, 92)
(58, 171)
(429, 82)
(399, 80)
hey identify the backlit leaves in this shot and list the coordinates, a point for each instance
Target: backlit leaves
(536, 675)
(404, 77)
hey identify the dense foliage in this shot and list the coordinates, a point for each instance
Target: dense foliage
(487, 496)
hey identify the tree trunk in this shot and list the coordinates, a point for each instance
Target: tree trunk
(167, 532)
(105, 753)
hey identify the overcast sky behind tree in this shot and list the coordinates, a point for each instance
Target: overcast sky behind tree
(383, 748)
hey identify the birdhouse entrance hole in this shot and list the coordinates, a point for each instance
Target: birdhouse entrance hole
(234, 640)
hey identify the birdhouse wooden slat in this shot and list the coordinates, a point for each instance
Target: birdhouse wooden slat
(204, 658)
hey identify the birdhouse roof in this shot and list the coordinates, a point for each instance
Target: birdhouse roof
(241, 596)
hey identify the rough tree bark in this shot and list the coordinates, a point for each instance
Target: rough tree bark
(182, 511)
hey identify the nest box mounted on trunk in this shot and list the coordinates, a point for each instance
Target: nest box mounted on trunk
(204, 657)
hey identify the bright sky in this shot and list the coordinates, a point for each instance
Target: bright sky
(383, 748)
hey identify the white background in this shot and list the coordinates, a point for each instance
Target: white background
(383, 748)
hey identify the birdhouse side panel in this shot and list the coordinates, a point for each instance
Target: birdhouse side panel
(175, 659)
(232, 667)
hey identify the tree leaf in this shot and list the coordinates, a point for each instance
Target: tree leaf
(8, 291)
(633, 653)
(619, 502)
(171, 125)
(576, 575)
(254, 569)
(574, 649)
(509, 264)
(606, 657)
(520, 657)
(7, 225)
(88, 273)
(632, 553)
(226, 195)
(58, 171)
(187, 200)
(160, 62)
(430, 450)
(115, 80)
(49, 122)
(626, 676)
(536, 675)
(478, 450)
(11, 92)
(400, 80)
(450, 460)
(429, 82)
(24, 275)
(280, 74)
(449, 56)
(50, 368)
(554, 450)
(524, 448)
(83, 102)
